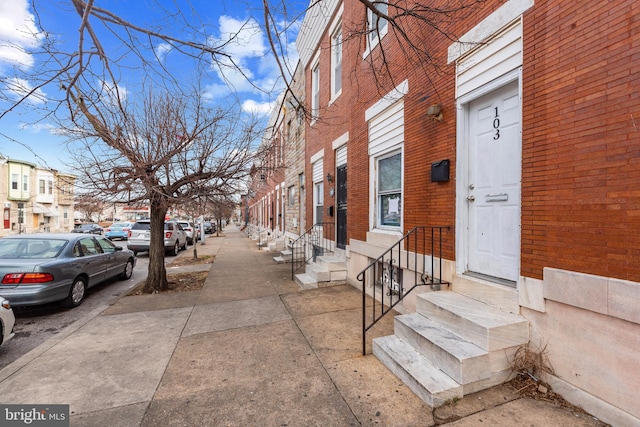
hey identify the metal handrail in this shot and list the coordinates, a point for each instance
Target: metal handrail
(315, 241)
(386, 273)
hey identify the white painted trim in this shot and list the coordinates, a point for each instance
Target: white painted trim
(462, 162)
(319, 155)
(500, 18)
(340, 141)
(396, 94)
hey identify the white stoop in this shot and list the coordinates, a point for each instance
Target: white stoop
(285, 256)
(451, 346)
(327, 270)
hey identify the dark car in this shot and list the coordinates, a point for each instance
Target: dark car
(41, 268)
(90, 228)
(209, 227)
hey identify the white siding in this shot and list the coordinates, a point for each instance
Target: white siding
(318, 168)
(341, 156)
(488, 62)
(386, 130)
(316, 20)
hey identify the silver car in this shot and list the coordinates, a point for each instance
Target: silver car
(7, 321)
(140, 237)
(41, 268)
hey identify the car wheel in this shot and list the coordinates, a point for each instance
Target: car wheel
(184, 247)
(176, 249)
(76, 293)
(128, 270)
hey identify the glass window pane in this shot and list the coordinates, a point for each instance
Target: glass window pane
(390, 173)
(391, 208)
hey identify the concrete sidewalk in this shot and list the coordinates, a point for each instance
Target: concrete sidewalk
(249, 349)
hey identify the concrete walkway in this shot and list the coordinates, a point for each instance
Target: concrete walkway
(249, 349)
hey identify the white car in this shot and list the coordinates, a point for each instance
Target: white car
(7, 321)
(140, 237)
(191, 230)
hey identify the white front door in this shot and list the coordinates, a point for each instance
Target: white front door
(493, 199)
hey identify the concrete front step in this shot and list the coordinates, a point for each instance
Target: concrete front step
(428, 382)
(461, 360)
(487, 327)
(305, 281)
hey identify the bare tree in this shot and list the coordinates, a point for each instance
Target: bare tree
(89, 204)
(167, 149)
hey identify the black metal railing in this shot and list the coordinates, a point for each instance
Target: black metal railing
(414, 260)
(318, 240)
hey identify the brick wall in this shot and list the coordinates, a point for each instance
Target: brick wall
(581, 145)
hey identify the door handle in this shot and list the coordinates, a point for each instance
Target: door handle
(471, 198)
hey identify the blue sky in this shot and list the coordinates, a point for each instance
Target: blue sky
(28, 132)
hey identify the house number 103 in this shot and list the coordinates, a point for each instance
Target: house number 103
(496, 125)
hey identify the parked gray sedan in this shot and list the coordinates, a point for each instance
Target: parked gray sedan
(42, 268)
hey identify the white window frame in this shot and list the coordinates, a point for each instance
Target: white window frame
(318, 201)
(379, 195)
(315, 90)
(25, 183)
(15, 181)
(376, 27)
(336, 61)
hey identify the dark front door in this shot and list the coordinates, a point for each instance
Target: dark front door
(341, 202)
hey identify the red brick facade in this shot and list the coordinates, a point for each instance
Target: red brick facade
(580, 88)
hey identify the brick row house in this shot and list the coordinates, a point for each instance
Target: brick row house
(498, 155)
(35, 199)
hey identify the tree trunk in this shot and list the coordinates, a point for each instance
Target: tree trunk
(157, 275)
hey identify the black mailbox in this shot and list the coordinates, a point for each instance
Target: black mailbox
(440, 171)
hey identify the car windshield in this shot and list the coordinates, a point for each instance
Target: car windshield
(142, 226)
(31, 248)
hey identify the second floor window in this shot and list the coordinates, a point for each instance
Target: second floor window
(25, 182)
(14, 181)
(41, 187)
(336, 62)
(315, 90)
(377, 27)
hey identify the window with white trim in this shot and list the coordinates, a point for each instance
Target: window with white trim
(336, 62)
(317, 168)
(377, 27)
(318, 201)
(315, 91)
(389, 189)
(386, 159)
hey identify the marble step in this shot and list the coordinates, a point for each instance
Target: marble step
(429, 383)
(487, 327)
(461, 360)
(305, 281)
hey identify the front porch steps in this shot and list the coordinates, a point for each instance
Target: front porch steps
(326, 270)
(451, 346)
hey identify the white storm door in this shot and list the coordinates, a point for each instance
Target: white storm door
(495, 158)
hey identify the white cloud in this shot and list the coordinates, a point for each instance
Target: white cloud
(162, 50)
(18, 33)
(20, 88)
(258, 108)
(114, 92)
(244, 42)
